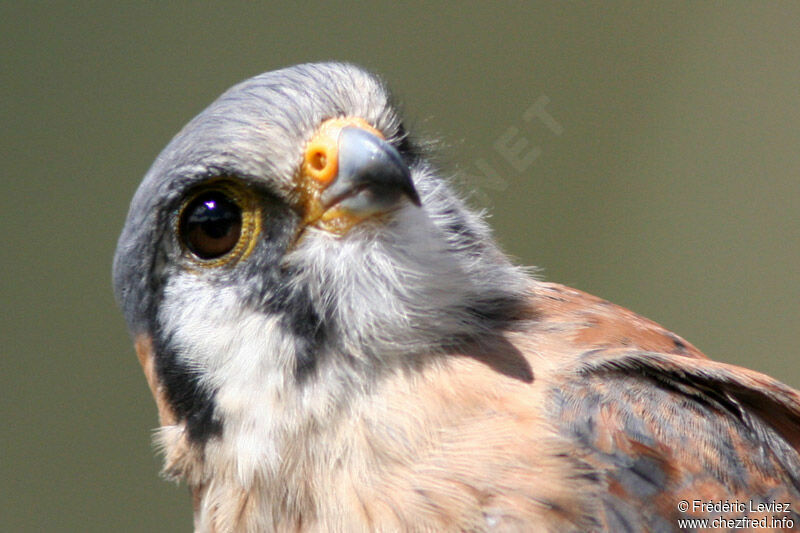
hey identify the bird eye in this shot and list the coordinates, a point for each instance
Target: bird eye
(211, 225)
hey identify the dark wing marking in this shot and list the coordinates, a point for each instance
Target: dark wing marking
(662, 428)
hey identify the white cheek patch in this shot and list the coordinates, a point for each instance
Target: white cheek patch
(242, 355)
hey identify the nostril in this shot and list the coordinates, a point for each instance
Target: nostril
(320, 159)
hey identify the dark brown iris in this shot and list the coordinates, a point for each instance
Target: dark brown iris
(211, 225)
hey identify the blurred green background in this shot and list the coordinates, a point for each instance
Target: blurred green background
(672, 189)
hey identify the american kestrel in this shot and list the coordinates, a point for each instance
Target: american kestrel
(335, 342)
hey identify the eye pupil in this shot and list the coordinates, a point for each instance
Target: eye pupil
(211, 225)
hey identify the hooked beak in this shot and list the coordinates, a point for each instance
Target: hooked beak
(351, 173)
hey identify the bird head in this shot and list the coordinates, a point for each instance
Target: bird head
(290, 246)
